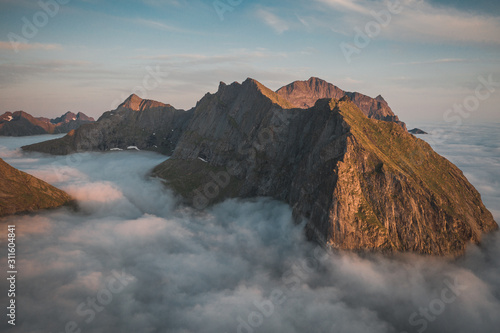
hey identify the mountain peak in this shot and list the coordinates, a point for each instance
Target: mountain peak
(273, 96)
(304, 94)
(135, 103)
(83, 116)
(316, 80)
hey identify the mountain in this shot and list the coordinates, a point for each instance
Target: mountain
(155, 126)
(304, 94)
(70, 121)
(141, 123)
(20, 123)
(417, 131)
(21, 192)
(361, 184)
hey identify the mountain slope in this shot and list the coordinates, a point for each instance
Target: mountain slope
(304, 94)
(21, 192)
(362, 184)
(144, 124)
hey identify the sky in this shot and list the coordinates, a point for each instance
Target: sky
(423, 56)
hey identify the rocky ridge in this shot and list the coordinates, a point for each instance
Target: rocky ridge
(304, 94)
(141, 123)
(361, 184)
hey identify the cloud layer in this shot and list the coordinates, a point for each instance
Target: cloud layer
(133, 260)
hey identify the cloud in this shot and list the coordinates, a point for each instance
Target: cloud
(279, 25)
(440, 24)
(103, 192)
(161, 3)
(418, 21)
(196, 59)
(348, 5)
(241, 263)
(28, 46)
(162, 26)
(437, 61)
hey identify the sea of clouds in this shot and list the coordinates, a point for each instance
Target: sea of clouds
(132, 259)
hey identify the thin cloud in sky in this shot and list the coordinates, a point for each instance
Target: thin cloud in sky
(350, 81)
(438, 24)
(162, 26)
(420, 21)
(28, 46)
(437, 61)
(240, 55)
(159, 3)
(348, 5)
(279, 25)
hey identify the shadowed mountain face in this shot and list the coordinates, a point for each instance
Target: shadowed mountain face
(304, 94)
(141, 123)
(20, 123)
(21, 192)
(361, 184)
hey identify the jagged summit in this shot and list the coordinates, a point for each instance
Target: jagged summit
(251, 89)
(135, 103)
(65, 118)
(273, 96)
(304, 94)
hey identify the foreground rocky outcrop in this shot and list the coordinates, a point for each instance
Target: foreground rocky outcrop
(21, 192)
(362, 184)
(145, 124)
(304, 94)
(20, 123)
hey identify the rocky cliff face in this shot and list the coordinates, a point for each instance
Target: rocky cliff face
(304, 94)
(144, 124)
(21, 192)
(20, 123)
(362, 184)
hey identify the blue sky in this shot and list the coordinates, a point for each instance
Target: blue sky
(88, 55)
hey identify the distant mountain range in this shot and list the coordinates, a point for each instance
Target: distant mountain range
(360, 183)
(20, 123)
